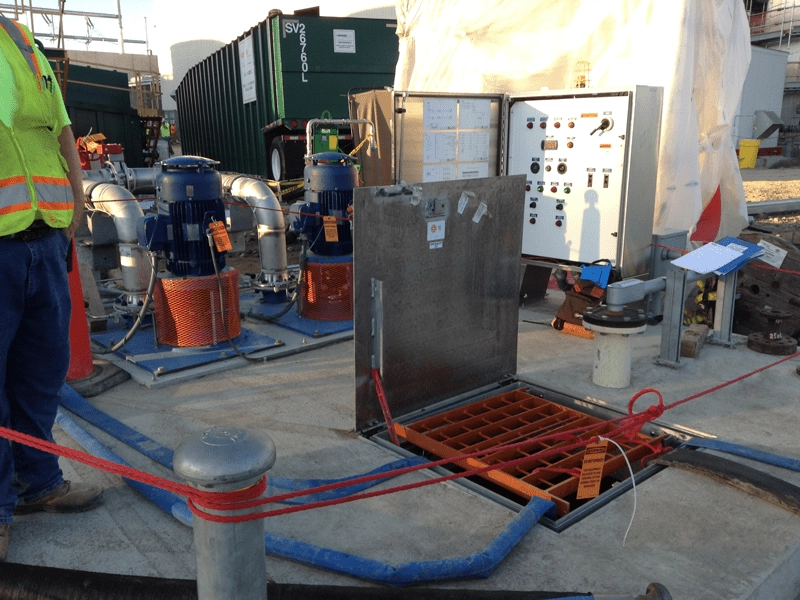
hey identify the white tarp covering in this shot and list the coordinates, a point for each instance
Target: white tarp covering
(697, 50)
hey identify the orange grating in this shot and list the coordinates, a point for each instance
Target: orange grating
(188, 311)
(514, 417)
(327, 291)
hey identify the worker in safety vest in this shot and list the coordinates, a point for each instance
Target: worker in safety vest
(166, 136)
(41, 204)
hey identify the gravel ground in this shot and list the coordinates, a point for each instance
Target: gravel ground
(771, 184)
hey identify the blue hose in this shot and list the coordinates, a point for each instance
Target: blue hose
(166, 501)
(745, 452)
(75, 403)
(479, 564)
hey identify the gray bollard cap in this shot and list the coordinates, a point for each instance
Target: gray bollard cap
(222, 456)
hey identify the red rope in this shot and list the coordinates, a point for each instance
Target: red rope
(387, 415)
(630, 425)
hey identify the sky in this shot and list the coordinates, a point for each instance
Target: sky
(162, 23)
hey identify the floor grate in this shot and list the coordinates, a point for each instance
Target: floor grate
(514, 417)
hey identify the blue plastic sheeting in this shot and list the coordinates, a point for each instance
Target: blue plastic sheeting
(295, 322)
(479, 564)
(143, 351)
(745, 452)
(75, 403)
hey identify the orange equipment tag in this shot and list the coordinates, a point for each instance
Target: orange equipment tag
(592, 470)
(220, 236)
(331, 232)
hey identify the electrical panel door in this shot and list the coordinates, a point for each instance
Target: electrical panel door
(590, 160)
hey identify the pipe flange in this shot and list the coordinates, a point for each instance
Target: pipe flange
(600, 316)
(131, 302)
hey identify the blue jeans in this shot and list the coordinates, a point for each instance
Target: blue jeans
(35, 310)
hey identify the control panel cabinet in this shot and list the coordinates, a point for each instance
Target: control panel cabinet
(590, 160)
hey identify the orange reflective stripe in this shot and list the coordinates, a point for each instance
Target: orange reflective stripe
(55, 205)
(19, 179)
(16, 180)
(7, 210)
(50, 180)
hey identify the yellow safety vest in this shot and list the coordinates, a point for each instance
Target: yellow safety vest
(33, 173)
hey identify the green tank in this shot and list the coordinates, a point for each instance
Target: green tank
(247, 104)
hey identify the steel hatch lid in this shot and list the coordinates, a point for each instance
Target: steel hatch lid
(436, 290)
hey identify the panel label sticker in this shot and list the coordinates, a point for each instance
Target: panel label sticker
(344, 41)
(435, 230)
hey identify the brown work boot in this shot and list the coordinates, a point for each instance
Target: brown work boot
(5, 529)
(68, 498)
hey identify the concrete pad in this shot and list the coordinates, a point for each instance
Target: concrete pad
(698, 537)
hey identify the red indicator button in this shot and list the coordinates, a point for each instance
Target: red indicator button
(554, 189)
(542, 124)
(557, 124)
(570, 144)
(571, 124)
(529, 125)
(558, 223)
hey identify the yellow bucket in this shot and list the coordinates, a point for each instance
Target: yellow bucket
(748, 153)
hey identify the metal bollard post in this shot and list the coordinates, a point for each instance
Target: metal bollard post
(231, 561)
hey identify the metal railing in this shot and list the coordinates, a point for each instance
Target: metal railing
(778, 20)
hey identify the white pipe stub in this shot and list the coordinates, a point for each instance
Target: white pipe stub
(613, 343)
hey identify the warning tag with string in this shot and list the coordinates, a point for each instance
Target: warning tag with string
(220, 236)
(331, 231)
(594, 458)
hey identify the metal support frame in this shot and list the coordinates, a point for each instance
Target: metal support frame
(723, 314)
(672, 324)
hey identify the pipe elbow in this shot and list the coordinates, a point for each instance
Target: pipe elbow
(121, 205)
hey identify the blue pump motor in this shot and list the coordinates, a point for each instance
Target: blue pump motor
(189, 192)
(330, 178)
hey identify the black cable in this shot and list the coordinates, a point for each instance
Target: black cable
(139, 317)
(300, 276)
(222, 306)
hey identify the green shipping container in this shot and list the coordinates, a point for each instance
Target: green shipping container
(99, 101)
(247, 104)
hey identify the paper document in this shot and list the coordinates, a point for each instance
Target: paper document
(708, 258)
